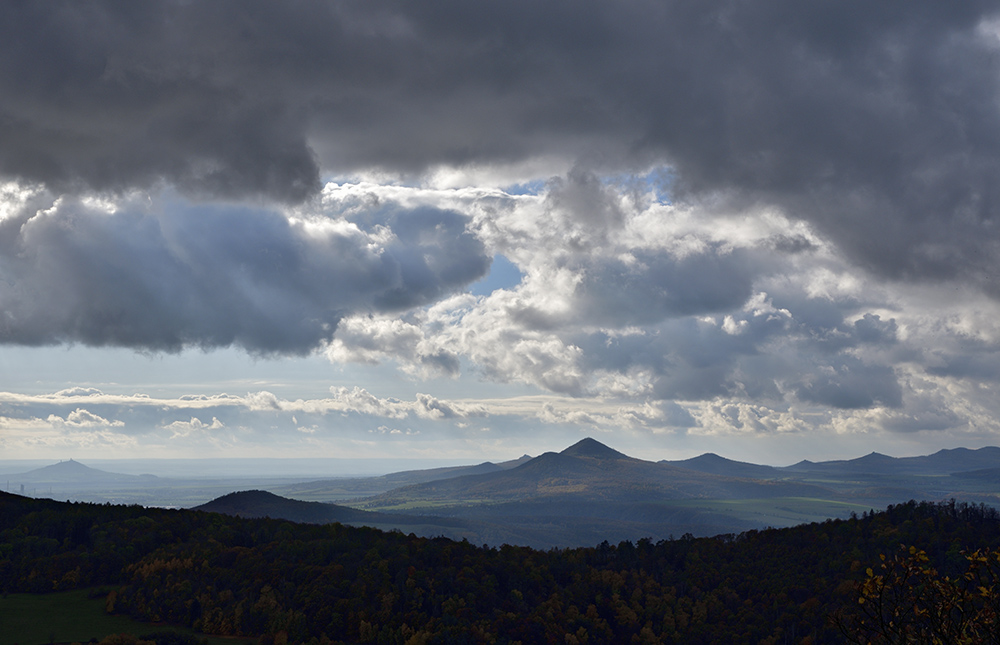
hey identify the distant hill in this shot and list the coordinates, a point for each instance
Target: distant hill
(956, 460)
(942, 462)
(259, 503)
(873, 462)
(714, 464)
(69, 472)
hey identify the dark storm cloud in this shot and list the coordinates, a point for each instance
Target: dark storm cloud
(852, 384)
(218, 276)
(924, 417)
(116, 95)
(676, 416)
(691, 360)
(878, 123)
(654, 286)
(977, 361)
(790, 244)
(870, 328)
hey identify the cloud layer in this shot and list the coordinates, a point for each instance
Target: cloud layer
(162, 278)
(728, 217)
(877, 125)
(670, 303)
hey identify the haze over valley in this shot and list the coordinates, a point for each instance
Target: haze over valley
(580, 496)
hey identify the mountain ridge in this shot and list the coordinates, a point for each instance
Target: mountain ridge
(590, 490)
(943, 462)
(586, 470)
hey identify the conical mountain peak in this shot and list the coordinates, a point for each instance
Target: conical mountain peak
(594, 449)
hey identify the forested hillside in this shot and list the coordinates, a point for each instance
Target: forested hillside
(281, 581)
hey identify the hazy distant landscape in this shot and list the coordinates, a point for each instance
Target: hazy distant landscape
(177, 482)
(580, 496)
(564, 322)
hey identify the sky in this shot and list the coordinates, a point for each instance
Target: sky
(455, 230)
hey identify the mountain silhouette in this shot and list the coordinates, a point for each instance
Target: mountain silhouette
(585, 473)
(70, 472)
(714, 464)
(942, 462)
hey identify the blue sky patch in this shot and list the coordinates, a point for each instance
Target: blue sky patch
(503, 274)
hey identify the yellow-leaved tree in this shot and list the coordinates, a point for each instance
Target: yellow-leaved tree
(906, 600)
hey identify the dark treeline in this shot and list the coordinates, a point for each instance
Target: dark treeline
(287, 582)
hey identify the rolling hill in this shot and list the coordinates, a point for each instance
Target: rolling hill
(262, 504)
(713, 464)
(259, 503)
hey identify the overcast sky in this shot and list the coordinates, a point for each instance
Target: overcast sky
(769, 229)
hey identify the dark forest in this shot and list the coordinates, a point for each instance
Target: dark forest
(281, 582)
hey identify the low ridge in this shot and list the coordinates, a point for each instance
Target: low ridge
(714, 464)
(260, 503)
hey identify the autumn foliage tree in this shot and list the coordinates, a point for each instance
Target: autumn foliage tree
(907, 600)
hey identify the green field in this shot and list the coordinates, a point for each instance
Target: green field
(776, 511)
(402, 504)
(73, 617)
